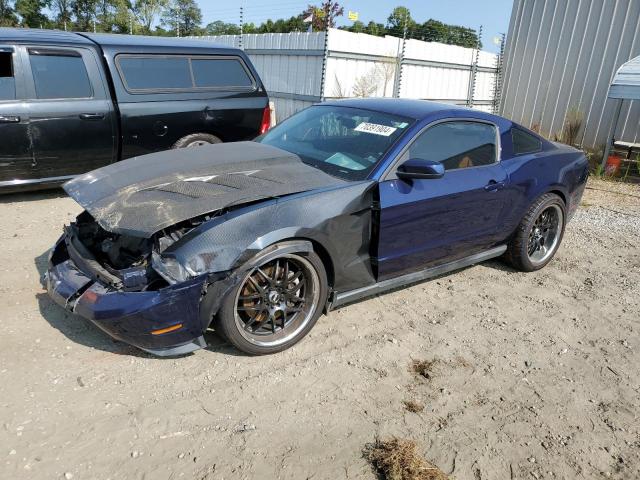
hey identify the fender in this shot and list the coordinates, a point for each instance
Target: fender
(339, 220)
(219, 285)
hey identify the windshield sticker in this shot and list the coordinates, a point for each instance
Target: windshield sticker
(375, 128)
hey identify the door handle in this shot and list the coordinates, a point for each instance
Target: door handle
(492, 186)
(91, 116)
(9, 119)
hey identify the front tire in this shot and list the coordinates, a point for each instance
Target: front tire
(275, 304)
(539, 234)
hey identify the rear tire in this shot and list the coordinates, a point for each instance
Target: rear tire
(275, 304)
(539, 234)
(196, 140)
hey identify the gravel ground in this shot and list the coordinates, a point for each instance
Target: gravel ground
(530, 376)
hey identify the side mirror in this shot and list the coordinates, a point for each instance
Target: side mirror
(418, 168)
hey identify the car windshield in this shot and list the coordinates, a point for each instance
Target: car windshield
(341, 141)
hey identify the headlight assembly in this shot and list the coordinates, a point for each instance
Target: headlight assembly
(169, 268)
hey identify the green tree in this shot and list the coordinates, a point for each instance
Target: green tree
(62, 11)
(327, 12)
(84, 12)
(123, 18)
(396, 22)
(221, 28)
(182, 17)
(7, 14)
(436, 31)
(376, 29)
(30, 12)
(356, 27)
(249, 28)
(105, 15)
(147, 11)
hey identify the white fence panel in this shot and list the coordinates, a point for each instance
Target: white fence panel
(362, 43)
(291, 67)
(435, 83)
(343, 73)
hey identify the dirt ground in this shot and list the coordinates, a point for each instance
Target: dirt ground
(529, 375)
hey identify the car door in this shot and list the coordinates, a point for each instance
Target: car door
(72, 117)
(426, 222)
(16, 162)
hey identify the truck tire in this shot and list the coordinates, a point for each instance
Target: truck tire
(196, 140)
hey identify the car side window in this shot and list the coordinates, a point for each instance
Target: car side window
(7, 76)
(457, 144)
(59, 74)
(524, 142)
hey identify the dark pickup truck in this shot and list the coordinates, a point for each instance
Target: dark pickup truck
(73, 102)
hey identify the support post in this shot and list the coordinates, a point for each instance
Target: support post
(241, 27)
(612, 132)
(398, 78)
(474, 71)
(325, 58)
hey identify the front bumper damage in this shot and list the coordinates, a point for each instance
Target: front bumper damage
(130, 316)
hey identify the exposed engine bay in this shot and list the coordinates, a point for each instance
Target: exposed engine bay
(127, 259)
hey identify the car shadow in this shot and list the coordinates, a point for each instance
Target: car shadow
(498, 264)
(33, 196)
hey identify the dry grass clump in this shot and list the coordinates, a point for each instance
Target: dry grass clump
(398, 459)
(423, 368)
(413, 406)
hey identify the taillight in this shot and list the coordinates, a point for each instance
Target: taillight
(266, 120)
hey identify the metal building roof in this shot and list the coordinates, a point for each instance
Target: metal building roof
(626, 81)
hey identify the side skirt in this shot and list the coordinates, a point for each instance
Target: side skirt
(414, 277)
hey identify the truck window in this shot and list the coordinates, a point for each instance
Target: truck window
(59, 74)
(159, 73)
(7, 80)
(210, 72)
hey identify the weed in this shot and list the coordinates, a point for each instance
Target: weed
(572, 125)
(413, 406)
(424, 368)
(398, 459)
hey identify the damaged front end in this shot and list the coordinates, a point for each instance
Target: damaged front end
(125, 285)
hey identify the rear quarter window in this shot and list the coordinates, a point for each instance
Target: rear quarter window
(158, 73)
(524, 142)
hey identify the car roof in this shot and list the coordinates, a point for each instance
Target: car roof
(120, 40)
(33, 35)
(416, 109)
(38, 35)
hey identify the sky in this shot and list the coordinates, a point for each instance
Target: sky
(493, 15)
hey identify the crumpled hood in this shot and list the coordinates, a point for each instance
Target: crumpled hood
(143, 195)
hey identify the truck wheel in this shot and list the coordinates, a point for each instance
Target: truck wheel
(275, 305)
(539, 234)
(196, 140)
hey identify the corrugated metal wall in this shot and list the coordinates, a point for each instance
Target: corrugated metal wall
(290, 65)
(561, 55)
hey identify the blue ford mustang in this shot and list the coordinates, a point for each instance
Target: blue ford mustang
(342, 201)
